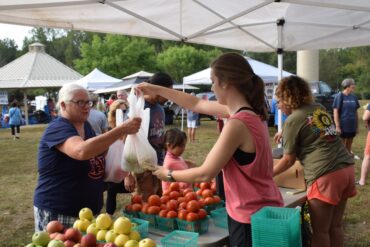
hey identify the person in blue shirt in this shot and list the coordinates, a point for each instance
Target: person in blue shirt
(71, 161)
(15, 120)
(275, 110)
(345, 107)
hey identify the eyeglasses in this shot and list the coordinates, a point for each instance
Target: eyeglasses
(82, 103)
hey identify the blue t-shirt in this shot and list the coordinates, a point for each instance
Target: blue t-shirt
(275, 110)
(348, 111)
(156, 129)
(15, 116)
(191, 116)
(66, 185)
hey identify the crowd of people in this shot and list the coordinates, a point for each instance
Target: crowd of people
(71, 157)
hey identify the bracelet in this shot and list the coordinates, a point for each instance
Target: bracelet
(170, 177)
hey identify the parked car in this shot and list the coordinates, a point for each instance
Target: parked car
(323, 94)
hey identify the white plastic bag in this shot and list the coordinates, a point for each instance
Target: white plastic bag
(113, 167)
(138, 154)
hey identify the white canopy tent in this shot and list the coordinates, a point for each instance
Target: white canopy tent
(96, 80)
(252, 25)
(268, 73)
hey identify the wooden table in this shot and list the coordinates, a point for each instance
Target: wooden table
(218, 237)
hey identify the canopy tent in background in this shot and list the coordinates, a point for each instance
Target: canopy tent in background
(96, 80)
(131, 80)
(35, 69)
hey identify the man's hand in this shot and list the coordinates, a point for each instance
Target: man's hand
(132, 125)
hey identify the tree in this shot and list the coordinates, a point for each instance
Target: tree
(8, 51)
(180, 61)
(116, 55)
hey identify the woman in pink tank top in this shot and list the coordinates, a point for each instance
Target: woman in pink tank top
(242, 150)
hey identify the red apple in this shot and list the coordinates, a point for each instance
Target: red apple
(73, 234)
(69, 243)
(54, 226)
(52, 235)
(77, 245)
(89, 240)
(110, 245)
(60, 236)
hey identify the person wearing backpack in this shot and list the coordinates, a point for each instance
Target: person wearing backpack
(345, 107)
(15, 120)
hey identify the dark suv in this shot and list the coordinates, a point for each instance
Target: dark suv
(323, 94)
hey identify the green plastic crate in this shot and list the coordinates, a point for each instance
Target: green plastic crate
(142, 226)
(276, 227)
(211, 207)
(166, 224)
(180, 239)
(130, 214)
(150, 218)
(220, 217)
(200, 226)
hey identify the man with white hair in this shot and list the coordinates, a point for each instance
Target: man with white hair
(122, 94)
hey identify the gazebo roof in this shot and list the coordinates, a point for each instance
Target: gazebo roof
(36, 69)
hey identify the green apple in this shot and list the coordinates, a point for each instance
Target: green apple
(135, 235)
(121, 239)
(56, 243)
(147, 242)
(40, 238)
(83, 224)
(110, 236)
(92, 229)
(103, 221)
(100, 235)
(86, 213)
(30, 245)
(132, 243)
(122, 225)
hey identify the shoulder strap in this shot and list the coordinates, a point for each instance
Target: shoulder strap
(245, 108)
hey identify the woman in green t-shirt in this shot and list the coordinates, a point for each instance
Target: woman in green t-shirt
(309, 135)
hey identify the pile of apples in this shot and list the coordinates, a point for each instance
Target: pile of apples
(118, 233)
(174, 203)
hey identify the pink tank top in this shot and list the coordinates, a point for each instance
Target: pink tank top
(251, 187)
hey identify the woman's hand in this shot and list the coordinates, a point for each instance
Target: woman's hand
(129, 183)
(161, 173)
(132, 125)
(277, 138)
(145, 88)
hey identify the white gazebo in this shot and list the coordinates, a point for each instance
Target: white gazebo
(35, 69)
(97, 80)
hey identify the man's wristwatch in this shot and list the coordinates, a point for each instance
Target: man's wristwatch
(169, 176)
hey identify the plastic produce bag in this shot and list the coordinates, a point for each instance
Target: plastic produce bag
(138, 154)
(113, 167)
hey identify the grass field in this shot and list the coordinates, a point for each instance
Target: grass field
(18, 167)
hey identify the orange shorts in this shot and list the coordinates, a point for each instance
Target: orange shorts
(334, 187)
(367, 145)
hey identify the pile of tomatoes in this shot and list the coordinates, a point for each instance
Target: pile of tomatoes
(184, 204)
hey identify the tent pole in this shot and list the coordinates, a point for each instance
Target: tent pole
(25, 106)
(280, 24)
(182, 109)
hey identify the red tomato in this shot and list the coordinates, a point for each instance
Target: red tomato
(136, 199)
(165, 199)
(199, 192)
(213, 187)
(128, 208)
(202, 213)
(163, 206)
(175, 186)
(192, 217)
(181, 199)
(163, 213)
(209, 200)
(216, 199)
(172, 205)
(207, 193)
(166, 193)
(171, 214)
(192, 206)
(187, 190)
(154, 210)
(145, 208)
(174, 195)
(154, 200)
(191, 196)
(182, 214)
(136, 207)
(182, 205)
(201, 203)
(205, 185)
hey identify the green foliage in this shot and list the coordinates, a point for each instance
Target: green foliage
(180, 61)
(8, 51)
(116, 55)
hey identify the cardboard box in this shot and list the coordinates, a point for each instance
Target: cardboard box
(292, 178)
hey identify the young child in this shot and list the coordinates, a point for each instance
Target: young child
(174, 144)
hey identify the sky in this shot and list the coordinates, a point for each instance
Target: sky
(15, 32)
